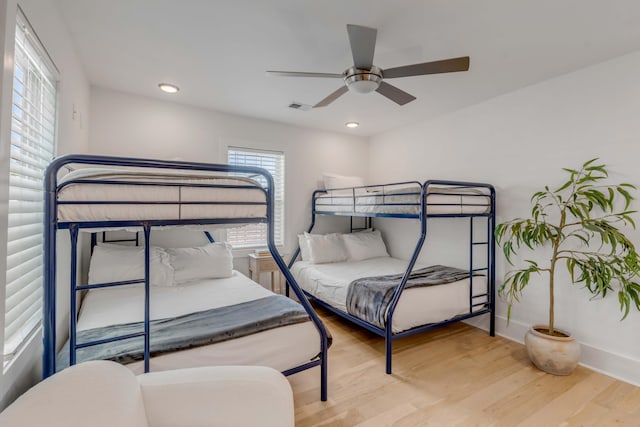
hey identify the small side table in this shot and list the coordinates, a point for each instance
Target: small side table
(265, 264)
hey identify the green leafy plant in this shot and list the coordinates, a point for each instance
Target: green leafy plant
(580, 222)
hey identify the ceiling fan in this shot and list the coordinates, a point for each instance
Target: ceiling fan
(364, 77)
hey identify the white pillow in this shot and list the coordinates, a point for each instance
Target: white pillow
(364, 245)
(324, 248)
(213, 261)
(117, 263)
(304, 247)
(339, 181)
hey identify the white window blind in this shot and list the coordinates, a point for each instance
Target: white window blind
(256, 234)
(32, 148)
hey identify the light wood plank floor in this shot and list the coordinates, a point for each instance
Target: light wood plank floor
(453, 376)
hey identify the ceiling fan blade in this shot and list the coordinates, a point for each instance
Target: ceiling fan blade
(434, 67)
(363, 45)
(398, 96)
(303, 74)
(329, 99)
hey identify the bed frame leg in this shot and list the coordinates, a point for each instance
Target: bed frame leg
(389, 348)
(323, 378)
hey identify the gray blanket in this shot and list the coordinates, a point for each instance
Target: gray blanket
(369, 298)
(187, 331)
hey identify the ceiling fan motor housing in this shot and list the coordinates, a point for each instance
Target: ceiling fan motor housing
(363, 81)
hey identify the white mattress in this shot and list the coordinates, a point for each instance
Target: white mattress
(175, 195)
(397, 201)
(416, 307)
(281, 348)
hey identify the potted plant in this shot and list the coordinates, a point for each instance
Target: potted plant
(579, 222)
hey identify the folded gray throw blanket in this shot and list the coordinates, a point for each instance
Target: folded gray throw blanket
(369, 298)
(187, 331)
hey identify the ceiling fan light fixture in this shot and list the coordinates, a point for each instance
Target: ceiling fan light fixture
(363, 81)
(168, 88)
(363, 86)
(352, 125)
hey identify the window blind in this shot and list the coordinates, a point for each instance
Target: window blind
(32, 148)
(256, 234)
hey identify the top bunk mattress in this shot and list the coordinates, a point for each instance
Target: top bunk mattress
(94, 195)
(405, 200)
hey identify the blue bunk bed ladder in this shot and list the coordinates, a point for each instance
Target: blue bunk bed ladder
(74, 346)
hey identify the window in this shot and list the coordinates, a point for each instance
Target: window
(32, 148)
(256, 234)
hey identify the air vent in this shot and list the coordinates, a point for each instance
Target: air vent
(300, 106)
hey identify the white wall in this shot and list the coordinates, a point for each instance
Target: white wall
(72, 136)
(129, 125)
(519, 142)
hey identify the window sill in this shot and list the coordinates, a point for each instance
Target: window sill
(22, 370)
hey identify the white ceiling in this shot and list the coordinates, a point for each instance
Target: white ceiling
(217, 51)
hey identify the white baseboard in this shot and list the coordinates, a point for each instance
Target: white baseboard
(618, 366)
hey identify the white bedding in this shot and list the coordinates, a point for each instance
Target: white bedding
(280, 348)
(173, 194)
(417, 306)
(406, 200)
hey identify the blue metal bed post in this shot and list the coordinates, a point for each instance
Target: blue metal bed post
(405, 277)
(470, 264)
(271, 243)
(147, 279)
(49, 273)
(492, 264)
(73, 319)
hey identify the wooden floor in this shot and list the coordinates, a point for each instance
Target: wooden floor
(453, 376)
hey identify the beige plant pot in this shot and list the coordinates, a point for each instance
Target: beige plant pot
(555, 355)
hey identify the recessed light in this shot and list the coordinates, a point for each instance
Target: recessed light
(169, 88)
(352, 124)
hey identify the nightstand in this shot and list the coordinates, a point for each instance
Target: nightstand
(265, 264)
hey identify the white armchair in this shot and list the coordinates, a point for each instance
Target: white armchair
(107, 394)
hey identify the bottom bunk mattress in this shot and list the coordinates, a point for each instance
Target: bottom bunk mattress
(417, 306)
(281, 347)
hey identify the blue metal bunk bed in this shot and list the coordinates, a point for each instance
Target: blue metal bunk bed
(415, 200)
(53, 224)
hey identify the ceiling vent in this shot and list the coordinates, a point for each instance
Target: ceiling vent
(300, 106)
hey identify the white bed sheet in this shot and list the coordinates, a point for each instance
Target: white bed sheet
(281, 348)
(416, 307)
(95, 191)
(456, 201)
